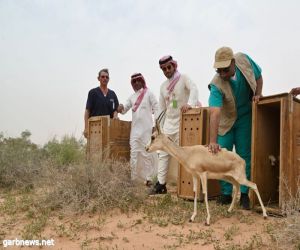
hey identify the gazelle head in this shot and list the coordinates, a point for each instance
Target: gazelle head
(156, 142)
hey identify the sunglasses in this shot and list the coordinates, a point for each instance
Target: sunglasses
(169, 67)
(225, 70)
(104, 77)
(135, 81)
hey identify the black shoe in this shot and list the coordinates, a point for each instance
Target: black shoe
(158, 189)
(224, 199)
(244, 201)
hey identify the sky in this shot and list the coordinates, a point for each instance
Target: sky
(52, 50)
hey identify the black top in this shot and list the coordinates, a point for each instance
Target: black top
(98, 104)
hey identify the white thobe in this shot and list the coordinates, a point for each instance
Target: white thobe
(143, 164)
(185, 92)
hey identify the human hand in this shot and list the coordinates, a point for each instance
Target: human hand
(185, 108)
(295, 91)
(120, 108)
(214, 148)
(256, 98)
(115, 116)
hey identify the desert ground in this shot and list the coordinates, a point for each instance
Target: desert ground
(161, 223)
(52, 193)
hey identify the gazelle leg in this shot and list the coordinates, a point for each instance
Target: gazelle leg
(195, 186)
(254, 187)
(203, 178)
(236, 190)
(261, 203)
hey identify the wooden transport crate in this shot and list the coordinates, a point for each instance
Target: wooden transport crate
(108, 138)
(276, 136)
(194, 130)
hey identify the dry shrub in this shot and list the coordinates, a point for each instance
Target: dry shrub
(287, 234)
(60, 177)
(292, 202)
(91, 187)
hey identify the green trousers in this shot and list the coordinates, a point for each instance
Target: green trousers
(238, 136)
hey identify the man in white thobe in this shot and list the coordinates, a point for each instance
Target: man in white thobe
(143, 104)
(177, 94)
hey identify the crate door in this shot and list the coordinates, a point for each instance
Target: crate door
(194, 130)
(119, 133)
(97, 137)
(190, 127)
(267, 122)
(290, 151)
(296, 147)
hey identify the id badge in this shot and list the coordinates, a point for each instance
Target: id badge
(113, 103)
(174, 104)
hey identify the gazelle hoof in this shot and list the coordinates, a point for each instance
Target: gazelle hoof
(206, 224)
(190, 220)
(265, 217)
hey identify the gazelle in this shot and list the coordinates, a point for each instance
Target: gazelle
(199, 162)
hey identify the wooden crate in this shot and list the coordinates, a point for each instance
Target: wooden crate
(276, 132)
(108, 138)
(194, 130)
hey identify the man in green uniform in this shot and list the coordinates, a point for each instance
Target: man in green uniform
(237, 83)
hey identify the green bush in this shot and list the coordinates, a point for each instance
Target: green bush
(23, 163)
(20, 160)
(67, 151)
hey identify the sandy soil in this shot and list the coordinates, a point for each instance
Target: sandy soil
(132, 231)
(116, 230)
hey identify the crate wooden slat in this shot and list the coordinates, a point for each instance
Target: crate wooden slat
(108, 138)
(194, 130)
(97, 137)
(276, 132)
